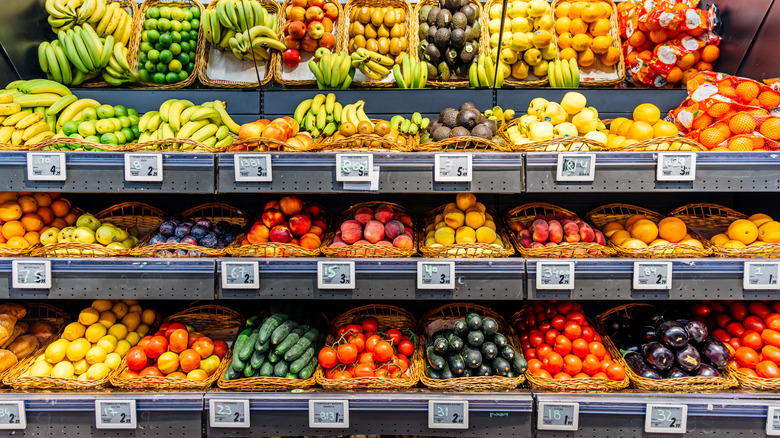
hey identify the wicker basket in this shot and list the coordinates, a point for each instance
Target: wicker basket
(62, 144)
(663, 144)
(466, 144)
(135, 48)
(204, 50)
(343, 36)
(620, 212)
(174, 145)
(387, 317)
(370, 250)
(589, 384)
(465, 250)
(454, 311)
(525, 214)
(551, 145)
(131, 7)
(214, 212)
(746, 381)
(276, 249)
(683, 384)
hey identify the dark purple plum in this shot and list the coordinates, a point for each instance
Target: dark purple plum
(199, 230)
(167, 228)
(205, 222)
(225, 225)
(209, 240)
(221, 244)
(182, 231)
(181, 252)
(189, 240)
(173, 239)
(228, 238)
(157, 239)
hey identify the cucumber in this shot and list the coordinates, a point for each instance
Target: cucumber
(519, 364)
(249, 371)
(262, 347)
(230, 373)
(455, 342)
(500, 340)
(440, 345)
(300, 363)
(308, 370)
(237, 363)
(273, 358)
(501, 367)
(489, 326)
(288, 342)
(312, 334)
(297, 350)
(476, 338)
(280, 369)
(267, 369)
(270, 324)
(433, 374)
(253, 321)
(508, 353)
(489, 350)
(257, 359)
(460, 328)
(245, 352)
(457, 366)
(473, 321)
(290, 375)
(281, 332)
(472, 357)
(241, 339)
(434, 360)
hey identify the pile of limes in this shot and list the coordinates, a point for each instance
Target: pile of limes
(105, 124)
(168, 44)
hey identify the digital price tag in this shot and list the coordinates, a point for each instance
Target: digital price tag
(653, 275)
(46, 166)
(555, 275)
(144, 167)
(12, 415)
(448, 415)
(576, 167)
(336, 275)
(452, 168)
(772, 421)
(558, 416)
(435, 275)
(252, 167)
(761, 275)
(372, 185)
(31, 274)
(674, 166)
(229, 413)
(666, 418)
(240, 275)
(354, 167)
(115, 414)
(329, 413)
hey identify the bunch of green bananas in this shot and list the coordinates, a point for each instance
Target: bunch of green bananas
(499, 115)
(207, 123)
(320, 115)
(410, 126)
(243, 26)
(410, 73)
(107, 18)
(372, 64)
(28, 110)
(255, 42)
(486, 73)
(564, 74)
(332, 71)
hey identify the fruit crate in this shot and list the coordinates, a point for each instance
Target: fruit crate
(368, 250)
(467, 250)
(561, 144)
(367, 143)
(525, 214)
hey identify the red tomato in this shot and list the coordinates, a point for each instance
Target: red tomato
(164, 326)
(747, 357)
(156, 346)
(172, 328)
(597, 349)
(773, 321)
(562, 345)
(220, 348)
(395, 336)
(588, 333)
(735, 343)
(364, 370)
(143, 341)
(406, 347)
(558, 322)
(767, 370)
(371, 342)
(178, 340)
(530, 353)
(748, 371)
(544, 374)
(721, 335)
(699, 309)
(561, 376)
(553, 363)
(577, 317)
(354, 328)
(550, 336)
(550, 312)
(369, 324)
(605, 363)
(545, 326)
(382, 373)
(572, 330)
(347, 353)
(580, 348)
(564, 307)
(753, 322)
(168, 362)
(327, 357)
(601, 375)
(538, 307)
(759, 309)
(591, 364)
(341, 375)
(358, 340)
(383, 351)
(770, 352)
(770, 337)
(530, 320)
(572, 364)
(204, 346)
(366, 357)
(722, 320)
(536, 337)
(738, 310)
(716, 306)
(534, 365)
(616, 372)
(189, 360)
(136, 359)
(752, 339)
(543, 350)
(402, 362)
(128, 374)
(151, 372)
(735, 329)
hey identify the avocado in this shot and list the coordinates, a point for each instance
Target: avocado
(463, 3)
(469, 12)
(432, 53)
(492, 125)
(459, 20)
(476, 27)
(431, 36)
(461, 70)
(434, 126)
(432, 13)
(459, 131)
(451, 56)
(452, 5)
(444, 18)
(424, 12)
(465, 105)
(442, 38)
(481, 119)
(421, 49)
(467, 118)
(468, 52)
(441, 133)
(444, 71)
(482, 131)
(469, 34)
(432, 72)
(449, 117)
(457, 38)
(423, 34)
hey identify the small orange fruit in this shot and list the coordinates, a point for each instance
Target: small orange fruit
(633, 243)
(686, 61)
(32, 237)
(719, 239)
(13, 229)
(575, 10)
(32, 222)
(640, 131)
(758, 141)
(567, 54)
(644, 230)
(743, 230)
(747, 91)
(664, 129)
(611, 227)
(633, 219)
(675, 75)
(659, 36)
(43, 199)
(562, 10)
(586, 58)
(718, 109)
(710, 53)
(771, 128)
(18, 242)
(760, 219)
(703, 66)
(59, 222)
(10, 211)
(725, 89)
(60, 207)
(701, 121)
(740, 144)
(672, 229)
(742, 123)
(712, 137)
(46, 215)
(647, 112)
(599, 27)
(637, 38)
(769, 99)
(687, 74)
(620, 236)
(28, 204)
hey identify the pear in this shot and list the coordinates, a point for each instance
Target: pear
(520, 24)
(585, 121)
(84, 235)
(536, 105)
(106, 234)
(553, 113)
(540, 69)
(537, 8)
(573, 102)
(541, 131)
(526, 122)
(65, 235)
(519, 9)
(597, 136)
(49, 236)
(532, 57)
(520, 42)
(88, 221)
(565, 129)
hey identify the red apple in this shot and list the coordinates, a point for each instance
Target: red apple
(328, 41)
(291, 42)
(291, 57)
(301, 3)
(331, 11)
(309, 44)
(314, 13)
(315, 29)
(297, 13)
(297, 29)
(272, 218)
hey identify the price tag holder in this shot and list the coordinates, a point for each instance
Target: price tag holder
(12, 415)
(674, 166)
(329, 414)
(761, 276)
(435, 275)
(666, 418)
(253, 167)
(229, 413)
(453, 168)
(144, 167)
(240, 275)
(653, 275)
(576, 167)
(336, 275)
(448, 415)
(354, 167)
(772, 421)
(29, 274)
(370, 186)
(115, 414)
(558, 416)
(555, 275)
(46, 166)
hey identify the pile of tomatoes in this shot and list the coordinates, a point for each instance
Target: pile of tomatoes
(559, 343)
(362, 350)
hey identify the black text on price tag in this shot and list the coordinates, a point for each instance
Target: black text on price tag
(329, 413)
(12, 415)
(555, 275)
(144, 167)
(673, 166)
(336, 275)
(252, 167)
(240, 275)
(653, 275)
(229, 413)
(452, 168)
(435, 275)
(354, 167)
(558, 416)
(666, 418)
(31, 274)
(115, 414)
(448, 415)
(761, 275)
(773, 421)
(576, 167)
(46, 166)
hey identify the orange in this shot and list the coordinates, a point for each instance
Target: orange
(611, 57)
(28, 204)
(719, 109)
(13, 229)
(701, 121)
(760, 219)
(771, 128)
(18, 243)
(8, 196)
(591, 12)
(631, 58)
(615, 124)
(71, 217)
(633, 243)
(644, 230)
(725, 89)
(637, 38)
(696, 56)
(562, 10)
(564, 40)
(688, 73)
(719, 239)
(43, 199)
(599, 27)
(742, 123)
(769, 232)
(740, 144)
(703, 66)
(575, 10)
(675, 75)
(710, 53)
(659, 36)
(46, 214)
(769, 99)
(586, 58)
(646, 55)
(686, 61)
(611, 227)
(691, 242)
(664, 129)
(712, 137)
(32, 237)
(633, 219)
(640, 131)
(747, 91)
(567, 54)
(577, 26)
(10, 211)
(54, 195)
(60, 207)
(743, 230)
(622, 129)
(59, 223)
(658, 242)
(620, 236)
(32, 222)
(672, 229)
(562, 25)
(734, 244)
(647, 112)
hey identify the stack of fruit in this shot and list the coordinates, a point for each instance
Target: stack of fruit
(647, 231)
(207, 123)
(287, 221)
(169, 42)
(104, 124)
(26, 218)
(645, 124)
(28, 110)
(466, 121)
(465, 221)
(284, 129)
(584, 32)
(563, 74)
(410, 73)
(108, 18)
(377, 37)
(449, 35)
(332, 70)
(757, 231)
(366, 227)
(397, 134)
(195, 235)
(245, 27)
(22, 336)
(309, 24)
(322, 114)
(88, 230)
(552, 230)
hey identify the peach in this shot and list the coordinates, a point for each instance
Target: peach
(571, 228)
(317, 230)
(300, 224)
(445, 236)
(275, 131)
(560, 215)
(516, 227)
(540, 231)
(526, 242)
(394, 229)
(362, 242)
(297, 13)
(319, 222)
(272, 218)
(351, 231)
(250, 130)
(295, 242)
(384, 213)
(313, 209)
(525, 232)
(385, 242)
(430, 241)
(480, 206)
(550, 244)
(465, 235)
(580, 251)
(490, 224)
(338, 245)
(408, 232)
(258, 233)
(485, 235)
(572, 238)
(599, 238)
(374, 231)
(464, 201)
(337, 237)
(271, 204)
(454, 219)
(539, 216)
(549, 217)
(363, 215)
(586, 233)
(403, 242)
(290, 205)
(281, 234)
(536, 245)
(474, 218)
(310, 241)
(556, 231)
(406, 220)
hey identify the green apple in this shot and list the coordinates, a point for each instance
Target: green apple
(50, 236)
(106, 234)
(88, 221)
(115, 245)
(65, 235)
(84, 235)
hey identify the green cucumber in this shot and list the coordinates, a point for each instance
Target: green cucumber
(298, 364)
(312, 334)
(270, 324)
(257, 359)
(308, 370)
(280, 369)
(288, 342)
(245, 352)
(297, 350)
(281, 332)
(231, 374)
(249, 371)
(290, 375)
(262, 347)
(237, 363)
(267, 369)
(273, 358)
(253, 321)
(241, 339)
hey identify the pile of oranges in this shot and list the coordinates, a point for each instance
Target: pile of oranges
(639, 231)
(583, 30)
(759, 229)
(646, 124)
(24, 216)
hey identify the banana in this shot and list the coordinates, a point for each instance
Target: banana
(92, 49)
(376, 57)
(369, 73)
(33, 100)
(54, 66)
(207, 31)
(190, 128)
(154, 122)
(559, 78)
(216, 28)
(330, 102)
(398, 76)
(317, 104)
(261, 31)
(5, 133)
(128, 30)
(44, 63)
(325, 69)
(222, 14)
(175, 112)
(424, 73)
(45, 135)
(16, 138)
(230, 10)
(165, 107)
(361, 115)
(352, 115)
(226, 119)
(100, 10)
(309, 121)
(5, 98)
(490, 71)
(186, 115)
(335, 74)
(166, 131)
(575, 72)
(86, 10)
(53, 11)
(568, 80)
(249, 13)
(64, 64)
(35, 129)
(204, 113)
(74, 109)
(377, 68)
(79, 50)
(44, 86)
(551, 73)
(14, 118)
(242, 23)
(223, 132)
(204, 132)
(499, 76)
(482, 74)
(112, 25)
(143, 120)
(119, 32)
(107, 16)
(322, 120)
(29, 121)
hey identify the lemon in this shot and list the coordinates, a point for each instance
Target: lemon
(108, 342)
(80, 367)
(132, 320)
(118, 330)
(97, 371)
(82, 377)
(102, 305)
(78, 349)
(74, 331)
(148, 317)
(63, 370)
(96, 354)
(95, 332)
(113, 360)
(41, 369)
(107, 318)
(120, 309)
(41, 358)
(122, 347)
(56, 351)
(89, 316)
(142, 329)
(133, 338)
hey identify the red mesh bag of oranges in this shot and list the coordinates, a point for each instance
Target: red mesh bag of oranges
(743, 131)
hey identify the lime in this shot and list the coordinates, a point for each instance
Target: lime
(186, 26)
(174, 66)
(159, 78)
(132, 112)
(128, 133)
(70, 127)
(175, 25)
(162, 68)
(185, 46)
(172, 78)
(195, 12)
(165, 12)
(165, 40)
(152, 13)
(145, 47)
(105, 111)
(194, 23)
(120, 137)
(176, 37)
(88, 114)
(175, 49)
(159, 46)
(154, 36)
(91, 138)
(142, 58)
(77, 135)
(125, 121)
(187, 15)
(136, 131)
(143, 75)
(166, 56)
(183, 75)
(153, 55)
(109, 138)
(190, 67)
(86, 129)
(117, 123)
(177, 14)
(183, 58)
(119, 111)
(145, 36)
(133, 120)
(151, 66)
(151, 24)
(164, 24)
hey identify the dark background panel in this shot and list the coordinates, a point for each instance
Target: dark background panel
(741, 20)
(762, 60)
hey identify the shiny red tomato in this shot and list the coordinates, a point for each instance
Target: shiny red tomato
(382, 373)
(220, 348)
(369, 324)
(536, 338)
(383, 351)
(402, 361)
(564, 307)
(366, 357)
(558, 322)
(358, 340)
(189, 360)
(550, 336)
(406, 347)
(588, 333)
(755, 323)
(699, 309)
(156, 346)
(136, 359)
(204, 346)
(371, 342)
(178, 341)
(145, 340)
(327, 357)
(573, 330)
(545, 326)
(738, 310)
(347, 353)
(151, 372)
(395, 336)
(364, 370)
(341, 375)
(172, 328)
(576, 316)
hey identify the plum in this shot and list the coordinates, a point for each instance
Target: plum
(209, 240)
(199, 230)
(228, 238)
(157, 239)
(205, 222)
(167, 228)
(182, 231)
(173, 239)
(189, 240)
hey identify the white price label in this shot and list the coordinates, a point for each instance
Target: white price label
(435, 275)
(12, 415)
(558, 416)
(46, 166)
(372, 185)
(240, 275)
(229, 413)
(773, 421)
(115, 414)
(653, 275)
(253, 167)
(674, 166)
(28, 274)
(452, 167)
(336, 275)
(144, 167)
(448, 415)
(354, 167)
(555, 275)
(329, 413)
(666, 418)
(761, 275)
(576, 167)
